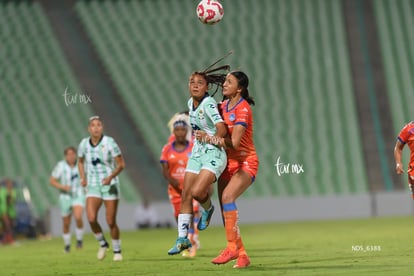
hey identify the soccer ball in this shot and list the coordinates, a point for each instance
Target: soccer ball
(210, 11)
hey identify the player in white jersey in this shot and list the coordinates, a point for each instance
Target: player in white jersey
(100, 160)
(65, 178)
(207, 161)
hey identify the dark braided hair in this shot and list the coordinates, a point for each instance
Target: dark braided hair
(243, 81)
(215, 76)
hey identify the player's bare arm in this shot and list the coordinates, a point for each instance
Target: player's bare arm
(235, 139)
(398, 157)
(120, 165)
(202, 136)
(227, 142)
(174, 182)
(55, 183)
(81, 169)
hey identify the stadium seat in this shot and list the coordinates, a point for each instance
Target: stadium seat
(35, 124)
(394, 20)
(295, 54)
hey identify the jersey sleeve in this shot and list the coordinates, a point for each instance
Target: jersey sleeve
(220, 107)
(190, 103)
(81, 149)
(212, 111)
(404, 133)
(243, 114)
(164, 154)
(57, 171)
(116, 151)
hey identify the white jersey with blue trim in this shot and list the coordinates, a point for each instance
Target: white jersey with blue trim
(67, 175)
(99, 159)
(204, 117)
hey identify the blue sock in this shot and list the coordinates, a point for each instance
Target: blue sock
(229, 207)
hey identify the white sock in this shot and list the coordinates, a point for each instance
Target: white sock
(184, 221)
(116, 245)
(101, 239)
(206, 205)
(66, 238)
(79, 234)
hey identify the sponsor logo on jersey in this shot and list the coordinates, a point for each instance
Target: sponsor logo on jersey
(180, 171)
(195, 127)
(74, 176)
(96, 161)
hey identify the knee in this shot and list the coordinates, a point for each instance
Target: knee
(111, 222)
(92, 218)
(227, 198)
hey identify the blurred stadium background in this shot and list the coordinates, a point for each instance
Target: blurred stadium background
(332, 82)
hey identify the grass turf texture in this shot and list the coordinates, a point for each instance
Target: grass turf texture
(307, 248)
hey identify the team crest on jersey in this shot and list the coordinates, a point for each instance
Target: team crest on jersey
(232, 117)
(201, 115)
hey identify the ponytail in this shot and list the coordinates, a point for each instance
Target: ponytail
(243, 83)
(246, 96)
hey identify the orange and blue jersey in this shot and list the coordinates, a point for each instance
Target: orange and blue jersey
(406, 136)
(244, 157)
(177, 162)
(240, 114)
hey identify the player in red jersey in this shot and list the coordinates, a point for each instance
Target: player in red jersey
(174, 157)
(242, 162)
(406, 136)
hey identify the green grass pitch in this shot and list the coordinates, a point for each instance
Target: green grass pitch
(383, 246)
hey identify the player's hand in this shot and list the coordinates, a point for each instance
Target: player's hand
(66, 188)
(83, 183)
(200, 135)
(106, 180)
(399, 168)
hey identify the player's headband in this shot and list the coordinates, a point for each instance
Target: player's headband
(94, 118)
(180, 123)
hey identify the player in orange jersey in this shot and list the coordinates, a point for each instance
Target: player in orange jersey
(242, 162)
(174, 157)
(406, 136)
(184, 116)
